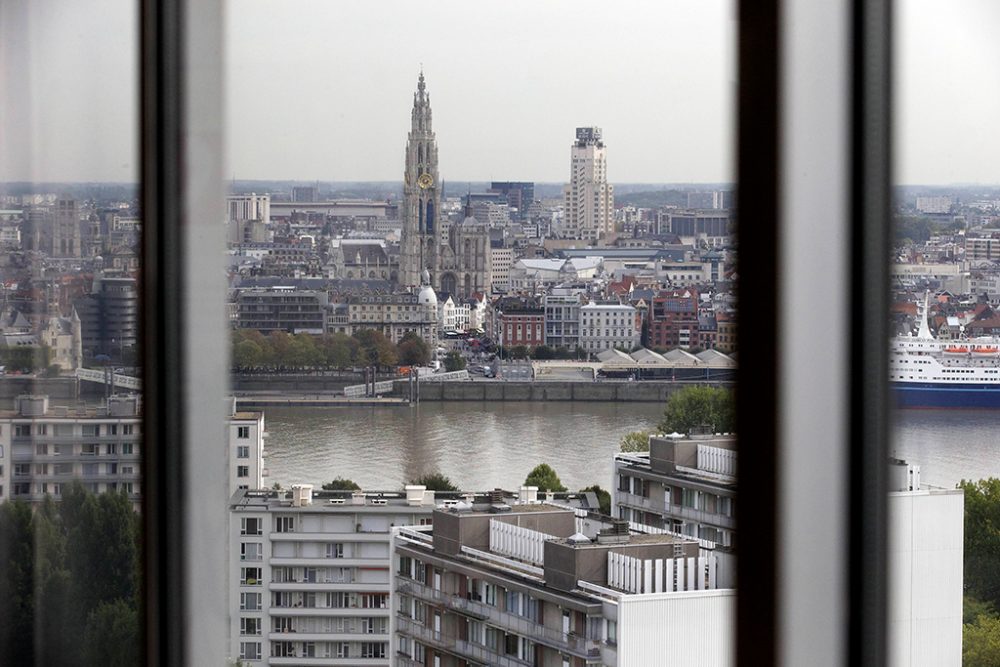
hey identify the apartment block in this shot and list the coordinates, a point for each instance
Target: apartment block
(562, 318)
(607, 326)
(282, 309)
(50, 446)
(686, 485)
(395, 315)
(541, 584)
(309, 574)
(673, 319)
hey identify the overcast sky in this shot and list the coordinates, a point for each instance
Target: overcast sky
(322, 89)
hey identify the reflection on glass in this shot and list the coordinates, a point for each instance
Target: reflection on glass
(70, 374)
(944, 366)
(476, 260)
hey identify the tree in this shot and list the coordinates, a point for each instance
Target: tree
(413, 351)
(543, 352)
(545, 478)
(341, 484)
(982, 539)
(112, 635)
(981, 642)
(453, 361)
(603, 498)
(340, 350)
(636, 441)
(435, 481)
(519, 352)
(247, 354)
(375, 348)
(697, 406)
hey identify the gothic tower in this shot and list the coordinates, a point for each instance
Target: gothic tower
(421, 236)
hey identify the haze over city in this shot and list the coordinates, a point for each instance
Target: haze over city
(315, 89)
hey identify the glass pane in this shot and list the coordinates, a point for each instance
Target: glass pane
(476, 258)
(944, 365)
(70, 372)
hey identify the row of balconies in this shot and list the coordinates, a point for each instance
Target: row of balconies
(466, 649)
(675, 511)
(505, 620)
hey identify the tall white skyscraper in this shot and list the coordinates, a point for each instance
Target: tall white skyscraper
(590, 202)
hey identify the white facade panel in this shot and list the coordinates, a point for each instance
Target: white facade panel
(926, 533)
(690, 628)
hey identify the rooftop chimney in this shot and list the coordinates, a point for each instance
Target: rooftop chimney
(302, 495)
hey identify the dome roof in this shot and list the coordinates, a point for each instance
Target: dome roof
(426, 296)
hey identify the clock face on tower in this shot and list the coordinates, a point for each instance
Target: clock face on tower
(425, 180)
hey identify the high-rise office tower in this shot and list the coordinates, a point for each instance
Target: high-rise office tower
(457, 262)
(589, 198)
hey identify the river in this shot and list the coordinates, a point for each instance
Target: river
(484, 445)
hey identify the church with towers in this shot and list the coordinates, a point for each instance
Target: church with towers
(451, 256)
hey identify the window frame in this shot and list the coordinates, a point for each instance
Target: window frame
(185, 614)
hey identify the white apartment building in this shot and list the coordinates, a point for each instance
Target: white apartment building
(43, 447)
(246, 449)
(938, 205)
(925, 558)
(309, 579)
(588, 198)
(543, 584)
(503, 259)
(248, 207)
(605, 326)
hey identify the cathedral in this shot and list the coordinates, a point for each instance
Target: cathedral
(455, 255)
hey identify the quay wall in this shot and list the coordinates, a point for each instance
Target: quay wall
(625, 392)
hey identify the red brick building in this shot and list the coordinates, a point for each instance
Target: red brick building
(521, 322)
(673, 319)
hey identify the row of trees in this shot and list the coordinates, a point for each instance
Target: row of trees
(252, 350)
(70, 584)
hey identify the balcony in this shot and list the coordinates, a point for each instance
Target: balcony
(561, 641)
(379, 612)
(689, 514)
(459, 647)
(366, 586)
(332, 636)
(330, 661)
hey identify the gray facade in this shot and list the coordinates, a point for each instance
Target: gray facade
(515, 585)
(685, 485)
(281, 309)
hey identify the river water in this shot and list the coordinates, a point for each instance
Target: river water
(478, 445)
(485, 445)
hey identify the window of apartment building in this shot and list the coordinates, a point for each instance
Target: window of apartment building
(22, 469)
(251, 551)
(89, 449)
(373, 650)
(244, 471)
(91, 430)
(250, 626)
(335, 550)
(111, 429)
(111, 448)
(243, 452)
(128, 448)
(342, 649)
(128, 429)
(284, 524)
(243, 432)
(250, 576)
(250, 526)
(250, 601)
(250, 651)
(22, 430)
(41, 449)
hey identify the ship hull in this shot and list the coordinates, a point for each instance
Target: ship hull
(946, 395)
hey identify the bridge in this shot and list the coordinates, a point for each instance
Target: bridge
(384, 387)
(117, 379)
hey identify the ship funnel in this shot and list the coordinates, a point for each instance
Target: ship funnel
(925, 329)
